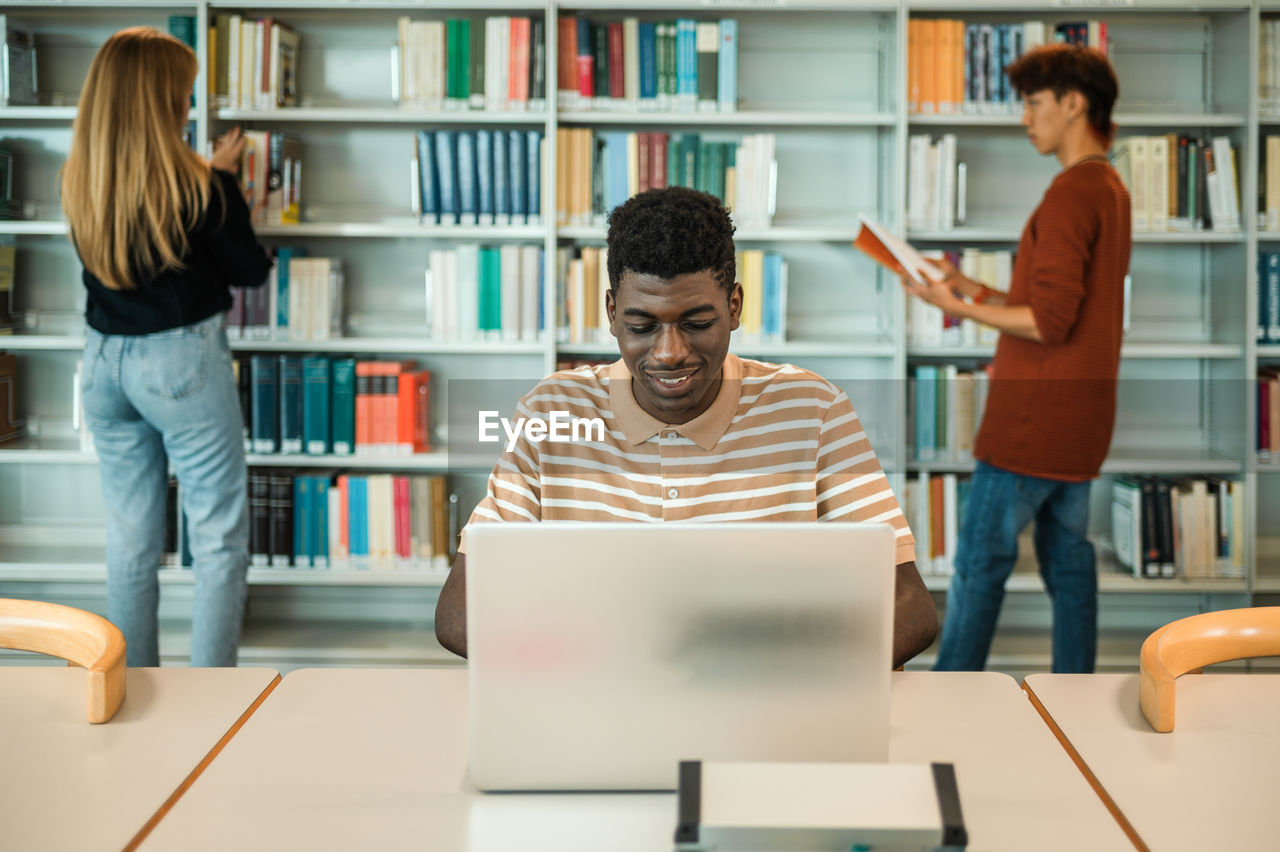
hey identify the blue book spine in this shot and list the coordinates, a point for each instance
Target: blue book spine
(772, 297)
(316, 433)
(501, 180)
(926, 412)
(542, 291)
(484, 176)
(1273, 297)
(447, 175)
(647, 47)
(995, 71)
(468, 180)
(302, 520)
(615, 168)
(319, 548)
(265, 434)
(1007, 56)
(688, 52)
(283, 255)
(970, 54)
(290, 404)
(1262, 297)
(428, 185)
(342, 416)
(727, 68)
(518, 182)
(357, 527)
(533, 172)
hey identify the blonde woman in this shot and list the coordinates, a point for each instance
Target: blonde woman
(161, 233)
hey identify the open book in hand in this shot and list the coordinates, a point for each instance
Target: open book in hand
(894, 254)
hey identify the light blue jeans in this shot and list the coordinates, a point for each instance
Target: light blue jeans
(1001, 504)
(151, 400)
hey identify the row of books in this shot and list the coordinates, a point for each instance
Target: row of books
(1268, 414)
(340, 521)
(271, 175)
(485, 293)
(596, 171)
(935, 183)
(934, 505)
(494, 63)
(583, 277)
(253, 63)
(1177, 182)
(477, 177)
(302, 299)
(928, 326)
(944, 410)
(958, 67)
(682, 65)
(1189, 528)
(319, 405)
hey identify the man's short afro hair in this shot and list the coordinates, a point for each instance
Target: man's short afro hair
(669, 232)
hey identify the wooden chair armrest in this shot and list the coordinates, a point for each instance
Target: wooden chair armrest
(81, 638)
(1189, 644)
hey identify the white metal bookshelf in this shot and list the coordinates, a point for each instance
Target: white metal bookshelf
(815, 225)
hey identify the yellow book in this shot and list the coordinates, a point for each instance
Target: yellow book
(752, 293)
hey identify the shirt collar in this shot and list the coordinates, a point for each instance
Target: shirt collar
(705, 430)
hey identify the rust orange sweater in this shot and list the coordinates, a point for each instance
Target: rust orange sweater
(1051, 404)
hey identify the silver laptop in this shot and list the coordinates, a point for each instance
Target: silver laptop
(601, 655)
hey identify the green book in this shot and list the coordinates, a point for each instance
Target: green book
(342, 419)
(464, 60)
(316, 409)
(490, 290)
(451, 57)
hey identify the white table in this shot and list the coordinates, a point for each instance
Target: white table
(68, 785)
(1210, 783)
(375, 759)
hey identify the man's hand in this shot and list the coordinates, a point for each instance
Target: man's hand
(226, 151)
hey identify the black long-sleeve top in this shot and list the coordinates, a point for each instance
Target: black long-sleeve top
(222, 252)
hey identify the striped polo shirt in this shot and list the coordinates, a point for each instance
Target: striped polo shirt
(778, 444)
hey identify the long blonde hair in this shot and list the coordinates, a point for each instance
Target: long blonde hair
(131, 188)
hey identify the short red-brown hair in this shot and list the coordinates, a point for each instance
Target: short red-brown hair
(1064, 68)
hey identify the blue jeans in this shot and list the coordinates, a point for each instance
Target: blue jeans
(1000, 506)
(151, 400)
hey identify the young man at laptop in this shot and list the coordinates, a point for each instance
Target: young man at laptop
(1052, 404)
(691, 431)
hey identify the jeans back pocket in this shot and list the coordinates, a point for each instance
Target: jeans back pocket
(173, 364)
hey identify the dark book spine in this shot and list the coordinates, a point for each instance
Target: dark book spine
(259, 517)
(537, 60)
(281, 525)
(1164, 506)
(1151, 556)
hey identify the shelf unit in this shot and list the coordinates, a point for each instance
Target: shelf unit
(828, 78)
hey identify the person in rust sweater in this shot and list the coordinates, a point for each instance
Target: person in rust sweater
(1051, 404)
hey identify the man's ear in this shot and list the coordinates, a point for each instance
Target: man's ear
(610, 308)
(1077, 104)
(735, 307)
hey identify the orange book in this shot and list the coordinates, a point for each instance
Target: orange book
(582, 165)
(937, 518)
(439, 517)
(913, 65)
(413, 412)
(645, 160)
(567, 56)
(928, 38)
(344, 540)
(364, 406)
(518, 62)
(944, 56)
(387, 403)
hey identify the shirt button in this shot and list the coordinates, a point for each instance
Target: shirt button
(671, 435)
(673, 493)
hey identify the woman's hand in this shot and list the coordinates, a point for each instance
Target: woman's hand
(226, 151)
(936, 292)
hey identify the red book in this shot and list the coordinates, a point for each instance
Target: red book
(402, 521)
(364, 406)
(413, 412)
(617, 76)
(658, 144)
(586, 62)
(567, 54)
(518, 63)
(344, 539)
